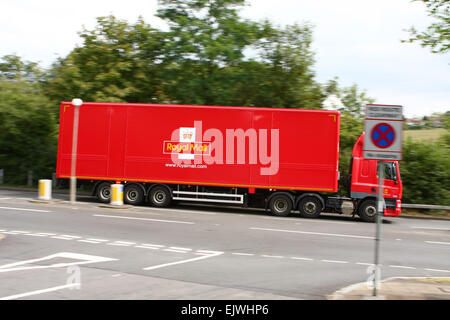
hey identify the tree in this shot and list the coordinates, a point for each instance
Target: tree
(28, 131)
(117, 62)
(437, 35)
(13, 67)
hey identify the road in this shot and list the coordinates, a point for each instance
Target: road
(59, 251)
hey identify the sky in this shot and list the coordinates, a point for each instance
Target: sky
(356, 41)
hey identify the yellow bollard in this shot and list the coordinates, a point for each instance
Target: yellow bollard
(45, 189)
(117, 194)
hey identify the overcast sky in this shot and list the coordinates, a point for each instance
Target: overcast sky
(357, 41)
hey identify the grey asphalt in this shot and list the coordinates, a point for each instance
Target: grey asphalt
(200, 252)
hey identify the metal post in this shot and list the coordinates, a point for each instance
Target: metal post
(1, 176)
(73, 180)
(30, 178)
(380, 212)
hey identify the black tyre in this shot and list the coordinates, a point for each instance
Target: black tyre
(280, 205)
(160, 197)
(103, 192)
(133, 194)
(310, 207)
(367, 211)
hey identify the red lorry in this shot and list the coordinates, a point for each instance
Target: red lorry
(278, 159)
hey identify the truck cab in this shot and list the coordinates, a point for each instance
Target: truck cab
(364, 184)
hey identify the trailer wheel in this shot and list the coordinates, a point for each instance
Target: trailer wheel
(103, 192)
(368, 210)
(160, 197)
(280, 205)
(133, 194)
(310, 207)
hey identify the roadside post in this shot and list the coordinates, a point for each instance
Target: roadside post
(117, 194)
(73, 180)
(383, 126)
(45, 189)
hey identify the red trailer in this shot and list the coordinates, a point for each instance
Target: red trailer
(282, 159)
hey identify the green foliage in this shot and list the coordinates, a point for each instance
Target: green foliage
(28, 132)
(437, 35)
(425, 172)
(117, 62)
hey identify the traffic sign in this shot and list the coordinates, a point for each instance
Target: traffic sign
(383, 132)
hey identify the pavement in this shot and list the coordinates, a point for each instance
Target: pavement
(398, 288)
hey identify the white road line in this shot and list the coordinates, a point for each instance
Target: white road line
(438, 242)
(32, 293)
(87, 241)
(144, 219)
(314, 233)
(242, 254)
(182, 249)
(98, 240)
(24, 209)
(401, 267)
(19, 231)
(431, 228)
(215, 254)
(172, 250)
(125, 242)
(152, 245)
(334, 261)
(437, 270)
(5, 198)
(118, 244)
(301, 258)
(69, 236)
(36, 235)
(146, 247)
(270, 256)
(61, 238)
(364, 264)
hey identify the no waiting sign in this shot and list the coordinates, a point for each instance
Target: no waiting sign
(383, 128)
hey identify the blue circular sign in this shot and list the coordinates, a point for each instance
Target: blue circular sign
(383, 135)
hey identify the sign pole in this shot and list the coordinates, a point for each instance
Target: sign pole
(379, 214)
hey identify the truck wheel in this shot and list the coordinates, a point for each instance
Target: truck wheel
(133, 194)
(104, 192)
(160, 197)
(280, 205)
(310, 207)
(368, 211)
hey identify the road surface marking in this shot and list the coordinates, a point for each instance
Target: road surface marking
(147, 247)
(314, 233)
(62, 238)
(437, 270)
(99, 240)
(242, 254)
(182, 249)
(182, 211)
(20, 232)
(87, 241)
(334, 261)
(32, 293)
(431, 228)
(270, 256)
(24, 209)
(144, 219)
(437, 242)
(326, 221)
(5, 198)
(69, 236)
(301, 258)
(212, 254)
(173, 250)
(401, 267)
(118, 244)
(364, 264)
(83, 259)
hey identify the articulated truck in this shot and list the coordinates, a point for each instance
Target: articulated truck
(283, 160)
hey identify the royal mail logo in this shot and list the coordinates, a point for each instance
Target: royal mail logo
(191, 146)
(175, 147)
